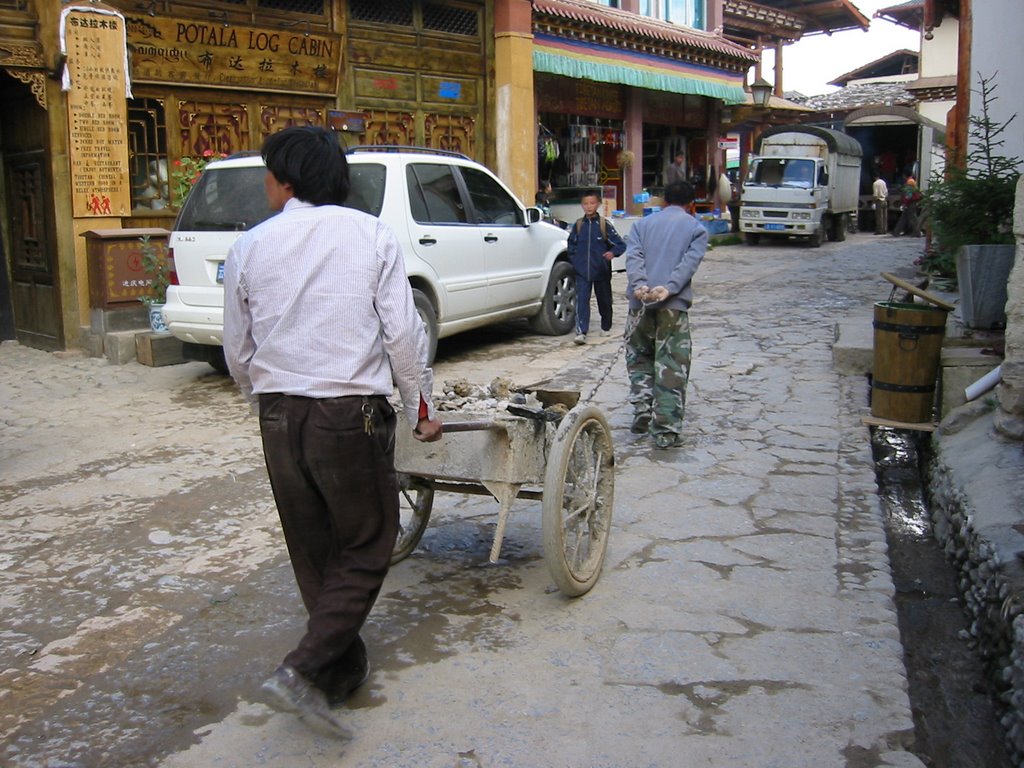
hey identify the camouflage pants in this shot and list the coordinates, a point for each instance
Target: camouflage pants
(658, 354)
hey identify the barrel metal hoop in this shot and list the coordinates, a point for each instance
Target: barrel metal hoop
(898, 328)
(914, 388)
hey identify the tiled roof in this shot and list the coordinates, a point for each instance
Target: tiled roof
(634, 24)
(862, 95)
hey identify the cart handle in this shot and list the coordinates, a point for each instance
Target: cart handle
(471, 426)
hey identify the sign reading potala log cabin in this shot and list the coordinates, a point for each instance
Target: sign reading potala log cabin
(229, 56)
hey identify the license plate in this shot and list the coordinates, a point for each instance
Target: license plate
(220, 272)
(772, 227)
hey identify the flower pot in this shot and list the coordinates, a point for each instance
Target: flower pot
(982, 272)
(156, 318)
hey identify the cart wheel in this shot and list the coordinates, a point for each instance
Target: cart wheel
(577, 506)
(415, 498)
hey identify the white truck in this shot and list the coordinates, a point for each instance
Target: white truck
(804, 181)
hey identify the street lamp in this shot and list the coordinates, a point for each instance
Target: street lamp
(760, 92)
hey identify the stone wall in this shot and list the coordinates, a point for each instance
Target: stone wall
(1009, 419)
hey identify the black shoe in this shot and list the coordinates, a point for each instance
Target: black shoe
(288, 691)
(344, 682)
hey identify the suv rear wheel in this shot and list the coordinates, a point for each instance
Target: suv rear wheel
(429, 318)
(558, 310)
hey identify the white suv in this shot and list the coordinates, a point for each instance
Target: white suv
(474, 254)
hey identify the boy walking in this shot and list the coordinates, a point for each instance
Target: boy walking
(593, 243)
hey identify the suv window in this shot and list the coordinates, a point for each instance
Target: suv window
(219, 202)
(491, 203)
(367, 187)
(434, 194)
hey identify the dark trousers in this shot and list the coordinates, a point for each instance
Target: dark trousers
(337, 497)
(907, 223)
(603, 293)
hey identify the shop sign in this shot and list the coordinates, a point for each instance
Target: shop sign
(97, 113)
(579, 97)
(213, 54)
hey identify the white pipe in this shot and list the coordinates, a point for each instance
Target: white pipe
(984, 384)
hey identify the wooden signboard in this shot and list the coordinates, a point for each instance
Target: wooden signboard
(580, 97)
(97, 113)
(214, 54)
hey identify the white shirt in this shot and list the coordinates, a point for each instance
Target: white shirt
(879, 189)
(317, 304)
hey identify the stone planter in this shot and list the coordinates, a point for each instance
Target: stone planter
(982, 272)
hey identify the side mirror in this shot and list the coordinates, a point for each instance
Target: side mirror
(533, 215)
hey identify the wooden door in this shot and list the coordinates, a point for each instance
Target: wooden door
(418, 71)
(35, 283)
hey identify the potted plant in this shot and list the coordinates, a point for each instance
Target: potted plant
(970, 213)
(187, 171)
(155, 263)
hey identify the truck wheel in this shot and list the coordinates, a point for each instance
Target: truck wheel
(837, 228)
(558, 309)
(815, 239)
(752, 238)
(429, 319)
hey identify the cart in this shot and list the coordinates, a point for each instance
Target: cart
(564, 459)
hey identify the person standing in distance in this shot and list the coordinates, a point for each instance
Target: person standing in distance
(319, 327)
(676, 170)
(663, 252)
(592, 244)
(880, 197)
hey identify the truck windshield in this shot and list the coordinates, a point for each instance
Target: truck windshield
(782, 172)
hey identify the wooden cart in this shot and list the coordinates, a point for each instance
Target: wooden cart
(566, 460)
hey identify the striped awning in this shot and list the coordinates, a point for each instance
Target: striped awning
(606, 64)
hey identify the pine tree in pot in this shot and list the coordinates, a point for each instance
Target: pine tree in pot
(971, 217)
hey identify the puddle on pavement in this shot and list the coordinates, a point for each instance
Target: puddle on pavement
(955, 715)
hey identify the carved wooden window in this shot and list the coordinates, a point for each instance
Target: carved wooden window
(147, 154)
(376, 12)
(386, 127)
(450, 19)
(211, 127)
(277, 117)
(455, 133)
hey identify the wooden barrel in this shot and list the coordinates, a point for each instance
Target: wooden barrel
(908, 345)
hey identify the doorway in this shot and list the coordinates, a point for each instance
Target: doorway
(34, 289)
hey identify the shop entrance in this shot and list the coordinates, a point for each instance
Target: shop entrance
(580, 154)
(661, 145)
(34, 287)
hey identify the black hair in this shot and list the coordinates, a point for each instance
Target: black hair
(310, 159)
(679, 193)
(591, 193)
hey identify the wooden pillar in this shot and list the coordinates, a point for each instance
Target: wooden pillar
(778, 68)
(633, 178)
(963, 85)
(515, 111)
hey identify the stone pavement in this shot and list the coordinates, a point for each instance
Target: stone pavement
(744, 617)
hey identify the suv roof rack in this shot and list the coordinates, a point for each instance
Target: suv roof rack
(241, 153)
(403, 148)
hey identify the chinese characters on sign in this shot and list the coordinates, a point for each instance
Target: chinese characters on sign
(211, 54)
(97, 114)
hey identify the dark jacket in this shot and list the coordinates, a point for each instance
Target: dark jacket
(587, 247)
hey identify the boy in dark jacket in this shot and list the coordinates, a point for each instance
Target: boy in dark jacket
(593, 243)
